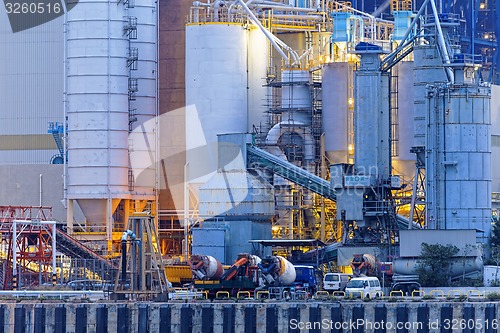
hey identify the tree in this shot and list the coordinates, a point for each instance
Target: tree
(495, 235)
(434, 264)
(495, 257)
(468, 249)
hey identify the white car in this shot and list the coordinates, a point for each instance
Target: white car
(363, 287)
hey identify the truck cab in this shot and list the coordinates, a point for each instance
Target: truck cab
(305, 278)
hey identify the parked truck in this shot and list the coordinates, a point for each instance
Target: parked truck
(243, 275)
(305, 279)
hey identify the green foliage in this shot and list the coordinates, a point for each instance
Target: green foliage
(493, 296)
(495, 235)
(434, 264)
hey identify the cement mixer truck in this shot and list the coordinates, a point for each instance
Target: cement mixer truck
(278, 276)
(205, 267)
(364, 265)
(243, 275)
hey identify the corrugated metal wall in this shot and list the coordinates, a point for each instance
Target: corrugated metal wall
(31, 90)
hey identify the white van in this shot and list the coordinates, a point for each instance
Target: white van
(365, 286)
(335, 281)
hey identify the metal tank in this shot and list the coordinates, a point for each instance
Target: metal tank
(296, 100)
(335, 110)
(458, 160)
(216, 84)
(403, 160)
(205, 267)
(143, 104)
(371, 123)
(276, 270)
(97, 108)
(258, 58)
(31, 68)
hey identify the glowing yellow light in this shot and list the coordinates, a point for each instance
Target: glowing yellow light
(350, 149)
(482, 5)
(350, 101)
(486, 36)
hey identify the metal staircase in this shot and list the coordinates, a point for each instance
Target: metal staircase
(57, 131)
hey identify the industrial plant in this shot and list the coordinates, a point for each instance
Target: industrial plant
(248, 146)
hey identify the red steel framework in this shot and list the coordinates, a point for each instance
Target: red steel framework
(33, 244)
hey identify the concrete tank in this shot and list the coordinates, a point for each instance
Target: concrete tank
(296, 100)
(97, 108)
(371, 122)
(258, 58)
(458, 160)
(216, 84)
(337, 103)
(470, 265)
(143, 103)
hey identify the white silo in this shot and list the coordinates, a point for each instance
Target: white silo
(258, 58)
(216, 85)
(458, 160)
(143, 107)
(97, 110)
(337, 77)
(31, 87)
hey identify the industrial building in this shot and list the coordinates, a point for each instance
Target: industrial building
(238, 120)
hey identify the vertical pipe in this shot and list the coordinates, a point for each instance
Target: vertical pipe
(322, 170)
(186, 212)
(472, 26)
(54, 244)
(140, 254)
(442, 43)
(40, 191)
(124, 261)
(14, 255)
(69, 216)
(133, 247)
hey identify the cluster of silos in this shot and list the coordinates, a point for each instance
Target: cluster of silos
(100, 147)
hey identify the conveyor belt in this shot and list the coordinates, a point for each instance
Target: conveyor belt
(74, 249)
(301, 177)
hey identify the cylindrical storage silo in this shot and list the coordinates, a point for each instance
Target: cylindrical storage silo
(371, 117)
(258, 58)
(403, 161)
(335, 109)
(216, 86)
(296, 102)
(97, 107)
(458, 163)
(143, 104)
